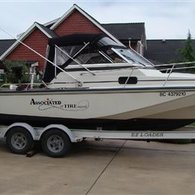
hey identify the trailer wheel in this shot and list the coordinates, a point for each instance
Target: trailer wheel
(56, 143)
(19, 140)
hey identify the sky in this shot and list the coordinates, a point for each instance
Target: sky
(164, 19)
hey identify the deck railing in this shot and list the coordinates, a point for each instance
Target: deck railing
(180, 67)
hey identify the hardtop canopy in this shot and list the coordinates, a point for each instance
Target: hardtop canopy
(75, 39)
(69, 40)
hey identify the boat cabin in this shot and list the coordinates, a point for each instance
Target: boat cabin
(77, 51)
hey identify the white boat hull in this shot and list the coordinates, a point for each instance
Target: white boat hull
(100, 107)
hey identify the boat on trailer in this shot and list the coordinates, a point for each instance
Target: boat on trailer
(92, 82)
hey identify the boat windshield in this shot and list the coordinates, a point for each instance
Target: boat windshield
(127, 54)
(131, 56)
(86, 54)
(104, 51)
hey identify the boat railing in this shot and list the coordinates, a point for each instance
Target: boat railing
(171, 67)
(180, 67)
(131, 72)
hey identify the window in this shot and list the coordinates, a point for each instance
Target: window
(127, 80)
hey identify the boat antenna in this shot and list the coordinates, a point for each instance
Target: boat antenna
(30, 48)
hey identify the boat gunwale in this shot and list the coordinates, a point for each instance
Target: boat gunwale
(101, 90)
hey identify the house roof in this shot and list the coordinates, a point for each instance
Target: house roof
(42, 28)
(50, 33)
(125, 31)
(51, 23)
(135, 31)
(90, 18)
(5, 44)
(165, 51)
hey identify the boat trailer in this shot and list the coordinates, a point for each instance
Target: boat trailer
(56, 139)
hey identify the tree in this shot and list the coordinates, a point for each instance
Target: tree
(187, 53)
(16, 72)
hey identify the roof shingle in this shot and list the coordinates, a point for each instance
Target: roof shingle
(165, 51)
(5, 44)
(125, 31)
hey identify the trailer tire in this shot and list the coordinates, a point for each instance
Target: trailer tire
(55, 143)
(19, 140)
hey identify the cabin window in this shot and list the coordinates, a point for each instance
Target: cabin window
(92, 56)
(99, 56)
(88, 55)
(60, 57)
(114, 56)
(63, 54)
(127, 80)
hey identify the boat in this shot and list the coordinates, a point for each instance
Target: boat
(93, 82)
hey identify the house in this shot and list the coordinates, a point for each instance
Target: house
(4, 45)
(165, 51)
(130, 34)
(75, 20)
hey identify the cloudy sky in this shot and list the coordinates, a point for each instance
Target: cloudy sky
(164, 19)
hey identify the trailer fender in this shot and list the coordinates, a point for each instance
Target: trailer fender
(26, 126)
(62, 128)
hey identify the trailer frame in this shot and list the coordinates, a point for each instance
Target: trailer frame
(56, 137)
